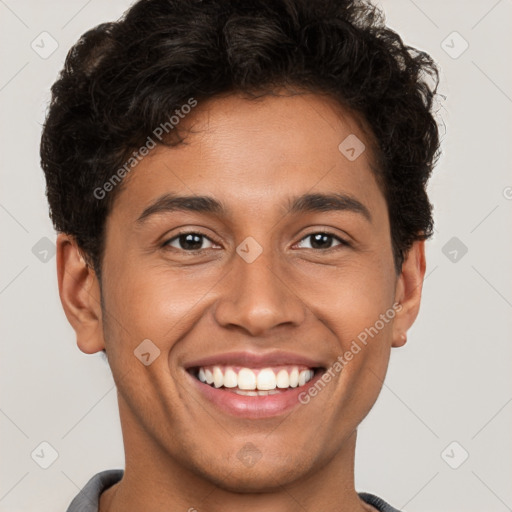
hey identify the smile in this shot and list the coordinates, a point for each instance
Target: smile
(255, 381)
(253, 393)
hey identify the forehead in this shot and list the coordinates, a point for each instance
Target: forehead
(252, 152)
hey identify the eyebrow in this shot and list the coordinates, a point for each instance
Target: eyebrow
(301, 204)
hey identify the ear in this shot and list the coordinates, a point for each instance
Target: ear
(408, 292)
(79, 292)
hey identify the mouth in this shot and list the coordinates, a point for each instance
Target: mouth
(255, 381)
(254, 393)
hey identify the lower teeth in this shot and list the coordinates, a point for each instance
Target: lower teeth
(254, 393)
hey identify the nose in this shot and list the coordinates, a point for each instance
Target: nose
(258, 296)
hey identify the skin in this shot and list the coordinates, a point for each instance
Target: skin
(181, 451)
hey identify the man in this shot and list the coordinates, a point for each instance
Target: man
(239, 192)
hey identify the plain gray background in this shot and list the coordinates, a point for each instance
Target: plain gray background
(448, 392)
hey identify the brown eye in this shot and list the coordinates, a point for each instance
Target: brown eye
(323, 240)
(189, 241)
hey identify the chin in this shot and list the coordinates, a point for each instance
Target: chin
(266, 477)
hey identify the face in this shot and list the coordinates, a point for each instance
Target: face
(264, 280)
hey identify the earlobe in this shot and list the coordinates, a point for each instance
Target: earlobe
(79, 292)
(400, 340)
(408, 292)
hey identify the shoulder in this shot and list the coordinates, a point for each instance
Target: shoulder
(87, 499)
(377, 502)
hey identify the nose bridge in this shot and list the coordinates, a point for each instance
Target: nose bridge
(257, 296)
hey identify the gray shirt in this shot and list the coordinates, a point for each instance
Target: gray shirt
(87, 499)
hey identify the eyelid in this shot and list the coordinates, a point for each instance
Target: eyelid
(343, 241)
(166, 242)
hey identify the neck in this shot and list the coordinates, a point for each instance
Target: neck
(154, 480)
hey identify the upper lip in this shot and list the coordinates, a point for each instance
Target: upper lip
(255, 360)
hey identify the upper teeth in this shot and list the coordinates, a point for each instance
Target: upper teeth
(248, 379)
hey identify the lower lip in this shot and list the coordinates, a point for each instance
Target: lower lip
(253, 407)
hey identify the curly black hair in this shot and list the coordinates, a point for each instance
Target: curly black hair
(122, 79)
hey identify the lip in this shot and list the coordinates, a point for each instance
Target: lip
(252, 407)
(256, 360)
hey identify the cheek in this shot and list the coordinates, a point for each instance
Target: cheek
(153, 303)
(350, 300)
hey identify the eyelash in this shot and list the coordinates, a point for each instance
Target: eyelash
(343, 243)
